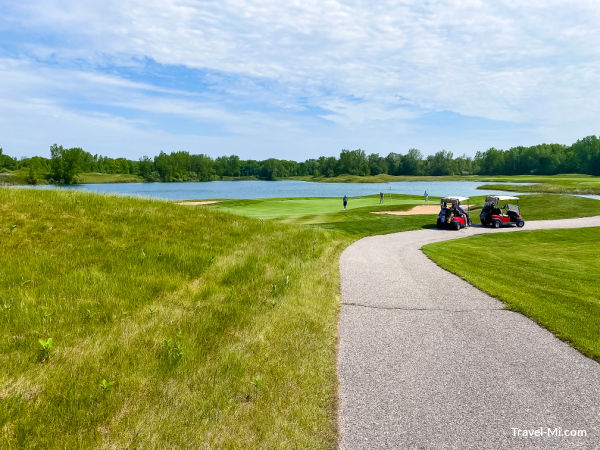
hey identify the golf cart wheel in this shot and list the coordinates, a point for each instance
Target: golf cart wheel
(469, 223)
(496, 224)
(439, 223)
(457, 226)
(520, 223)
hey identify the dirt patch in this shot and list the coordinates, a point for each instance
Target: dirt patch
(421, 209)
(206, 202)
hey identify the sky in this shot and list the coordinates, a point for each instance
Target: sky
(296, 79)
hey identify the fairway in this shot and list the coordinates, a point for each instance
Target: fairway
(556, 184)
(358, 221)
(286, 208)
(551, 276)
(552, 184)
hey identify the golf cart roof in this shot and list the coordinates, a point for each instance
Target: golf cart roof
(454, 199)
(500, 198)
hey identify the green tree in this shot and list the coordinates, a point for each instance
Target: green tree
(353, 162)
(269, 169)
(412, 163)
(6, 162)
(377, 164)
(65, 164)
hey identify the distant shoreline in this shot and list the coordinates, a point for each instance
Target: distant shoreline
(551, 184)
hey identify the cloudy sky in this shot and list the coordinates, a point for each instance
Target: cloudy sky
(296, 79)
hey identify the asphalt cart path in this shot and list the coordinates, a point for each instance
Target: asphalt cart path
(428, 361)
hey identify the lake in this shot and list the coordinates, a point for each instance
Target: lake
(275, 189)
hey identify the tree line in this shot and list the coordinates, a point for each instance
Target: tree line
(65, 164)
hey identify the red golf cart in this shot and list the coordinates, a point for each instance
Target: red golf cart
(452, 215)
(492, 214)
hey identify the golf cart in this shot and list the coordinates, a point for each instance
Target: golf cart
(452, 215)
(496, 216)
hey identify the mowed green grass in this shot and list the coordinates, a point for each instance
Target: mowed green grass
(551, 276)
(552, 184)
(563, 183)
(282, 208)
(171, 326)
(359, 220)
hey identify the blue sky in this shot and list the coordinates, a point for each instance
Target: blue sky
(296, 79)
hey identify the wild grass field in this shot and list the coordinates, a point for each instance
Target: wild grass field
(128, 322)
(101, 178)
(551, 276)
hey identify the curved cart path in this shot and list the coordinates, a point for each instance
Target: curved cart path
(419, 369)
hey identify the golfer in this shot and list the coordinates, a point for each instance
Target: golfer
(345, 201)
(426, 195)
(380, 198)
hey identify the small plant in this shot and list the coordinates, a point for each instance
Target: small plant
(151, 311)
(105, 385)
(46, 349)
(286, 280)
(256, 382)
(7, 306)
(171, 352)
(12, 228)
(89, 314)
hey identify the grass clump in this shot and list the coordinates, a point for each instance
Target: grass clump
(45, 349)
(550, 276)
(171, 352)
(110, 278)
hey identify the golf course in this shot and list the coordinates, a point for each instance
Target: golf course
(151, 323)
(348, 225)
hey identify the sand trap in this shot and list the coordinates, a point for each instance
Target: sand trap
(421, 209)
(206, 202)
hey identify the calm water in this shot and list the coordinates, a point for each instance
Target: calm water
(274, 189)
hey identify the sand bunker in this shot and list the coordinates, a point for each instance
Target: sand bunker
(421, 209)
(206, 202)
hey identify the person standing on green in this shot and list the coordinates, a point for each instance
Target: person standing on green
(345, 201)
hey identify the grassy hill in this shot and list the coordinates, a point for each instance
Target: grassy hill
(145, 323)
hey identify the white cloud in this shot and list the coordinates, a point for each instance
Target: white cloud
(535, 63)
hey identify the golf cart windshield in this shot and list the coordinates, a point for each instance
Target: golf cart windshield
(453, 200)
(514, 208)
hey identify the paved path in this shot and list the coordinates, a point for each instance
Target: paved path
(419, 369)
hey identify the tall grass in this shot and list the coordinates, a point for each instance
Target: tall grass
(170, 326)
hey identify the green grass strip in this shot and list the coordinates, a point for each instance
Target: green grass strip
(551, 276)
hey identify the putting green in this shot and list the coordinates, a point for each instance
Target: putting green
(299, 207)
